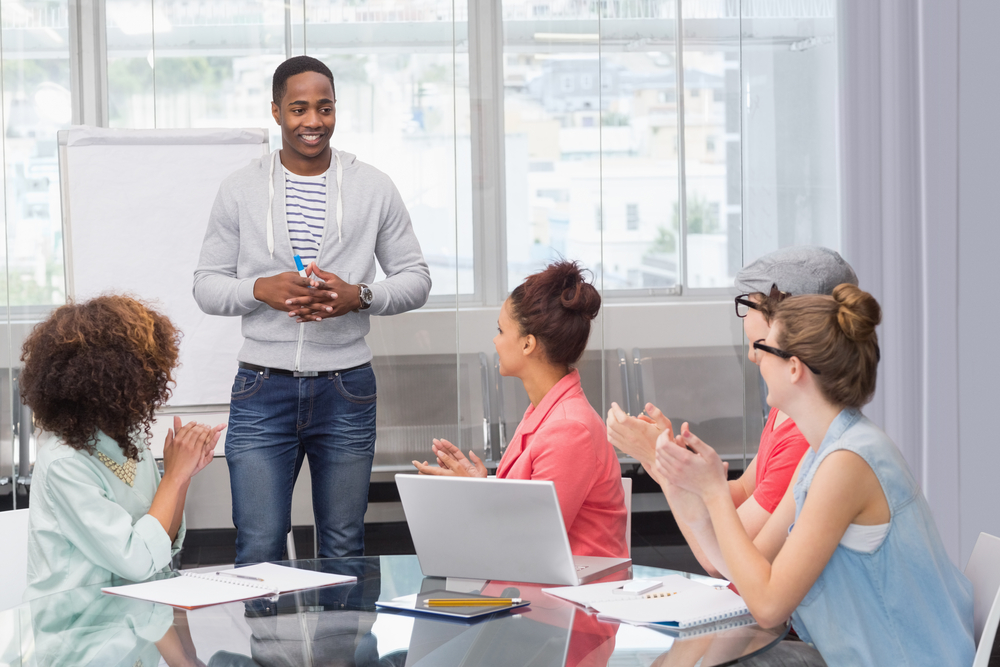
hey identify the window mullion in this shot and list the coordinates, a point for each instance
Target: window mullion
(489, 192)
(88, 62)
(682, 271)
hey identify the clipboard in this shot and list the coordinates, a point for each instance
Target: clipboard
(415, 604)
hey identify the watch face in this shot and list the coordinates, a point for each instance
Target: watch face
(366, 295)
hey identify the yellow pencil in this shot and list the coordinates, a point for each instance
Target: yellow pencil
(471, 602)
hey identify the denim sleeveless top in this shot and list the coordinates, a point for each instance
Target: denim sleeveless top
(903, 604)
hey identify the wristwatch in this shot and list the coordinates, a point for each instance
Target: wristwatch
(365, 293)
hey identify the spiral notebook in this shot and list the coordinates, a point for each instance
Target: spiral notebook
(694, 630)
(679, 602)
(193, 590)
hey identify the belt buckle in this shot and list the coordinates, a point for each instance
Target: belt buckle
(305, 374)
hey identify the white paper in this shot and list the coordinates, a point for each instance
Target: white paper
(202, 589)
(690, 602)
(286, 579)
(588, 594)
(190, 592)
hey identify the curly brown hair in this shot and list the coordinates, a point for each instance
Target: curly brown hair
(103, 365)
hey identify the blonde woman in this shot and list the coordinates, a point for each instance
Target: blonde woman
(851, 552)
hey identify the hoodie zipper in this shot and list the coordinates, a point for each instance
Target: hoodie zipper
(298, 348)
(301, 336)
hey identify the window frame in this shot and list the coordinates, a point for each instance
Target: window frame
(484, 29)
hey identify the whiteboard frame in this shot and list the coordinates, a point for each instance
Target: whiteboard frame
(82, 136)
(107, 136)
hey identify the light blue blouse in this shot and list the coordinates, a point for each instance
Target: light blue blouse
(904, 603)
(87, 526)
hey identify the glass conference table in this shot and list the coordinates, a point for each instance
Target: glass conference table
(339, 625)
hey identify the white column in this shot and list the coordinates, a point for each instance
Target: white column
(88, 62)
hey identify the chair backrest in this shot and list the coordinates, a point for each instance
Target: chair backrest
(983, 570)
(13, 557)
(627, 486)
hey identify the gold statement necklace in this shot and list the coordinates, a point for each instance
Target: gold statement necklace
(123, 471)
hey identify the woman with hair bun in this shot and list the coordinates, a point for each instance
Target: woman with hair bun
(851, 553)
(543, 330)
(94, 374)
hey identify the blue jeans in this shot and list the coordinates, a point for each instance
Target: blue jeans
(277, 420)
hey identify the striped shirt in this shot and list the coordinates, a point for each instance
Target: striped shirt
(305, 213)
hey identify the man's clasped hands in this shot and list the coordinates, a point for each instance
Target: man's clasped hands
(318, 296)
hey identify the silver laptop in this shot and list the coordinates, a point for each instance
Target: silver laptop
(499, 529)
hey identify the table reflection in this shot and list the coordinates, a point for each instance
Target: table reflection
(340, 626)
(86, 627)
(325, 626)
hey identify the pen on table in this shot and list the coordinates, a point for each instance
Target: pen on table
(238, 576)
(301, 267)
(471, 602)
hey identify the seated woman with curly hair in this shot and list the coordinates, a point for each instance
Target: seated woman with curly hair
(94, 375)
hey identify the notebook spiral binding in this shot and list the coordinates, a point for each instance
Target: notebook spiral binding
(232, 581)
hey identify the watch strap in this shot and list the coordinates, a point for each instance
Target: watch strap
(365, 303)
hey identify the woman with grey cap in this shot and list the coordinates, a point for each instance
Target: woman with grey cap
(765, 282)
(852, 552)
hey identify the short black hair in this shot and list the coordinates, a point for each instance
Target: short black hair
(293, 66)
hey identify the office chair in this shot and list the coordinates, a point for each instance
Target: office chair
(13, 557)
(983, 570)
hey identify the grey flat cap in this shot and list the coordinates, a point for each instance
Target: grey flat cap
(804, 269)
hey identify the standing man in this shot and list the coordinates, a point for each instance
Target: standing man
(305, 385)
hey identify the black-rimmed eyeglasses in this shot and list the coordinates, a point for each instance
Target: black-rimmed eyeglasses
(744, 304)
(759, 345)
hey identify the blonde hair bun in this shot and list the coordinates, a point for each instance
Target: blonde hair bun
(858, 312)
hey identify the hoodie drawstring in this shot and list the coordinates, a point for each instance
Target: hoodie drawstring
(340, 199)
(270, 203)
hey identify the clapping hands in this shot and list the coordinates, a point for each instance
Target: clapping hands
(688, 463)
(637, 436)
(188, 448)
(451, 462)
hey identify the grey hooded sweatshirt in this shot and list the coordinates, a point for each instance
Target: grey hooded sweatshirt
(375, 225)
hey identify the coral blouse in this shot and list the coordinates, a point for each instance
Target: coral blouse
(563, 440)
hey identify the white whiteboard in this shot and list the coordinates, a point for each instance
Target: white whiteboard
(135, 208)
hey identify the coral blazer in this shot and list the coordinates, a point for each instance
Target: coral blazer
(565, 441)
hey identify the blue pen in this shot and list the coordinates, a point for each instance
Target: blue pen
(300, 266)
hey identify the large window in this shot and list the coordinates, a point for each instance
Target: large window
(401, 85)
(660, 143)
(36, 105)
(35, 78)
(601, 108)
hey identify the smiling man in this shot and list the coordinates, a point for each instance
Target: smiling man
(305, 385)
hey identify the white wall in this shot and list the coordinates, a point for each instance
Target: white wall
(978, 234)
(938, 410)
(920, 141)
